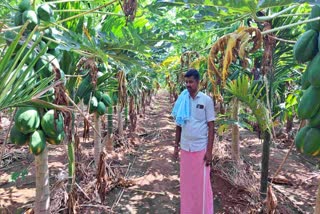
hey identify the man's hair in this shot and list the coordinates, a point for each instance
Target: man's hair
(193, 73)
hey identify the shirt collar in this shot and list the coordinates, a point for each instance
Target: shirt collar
(197, 95)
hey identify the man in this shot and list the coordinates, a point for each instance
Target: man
(194, 115)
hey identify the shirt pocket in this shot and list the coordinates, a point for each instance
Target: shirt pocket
(199, 114)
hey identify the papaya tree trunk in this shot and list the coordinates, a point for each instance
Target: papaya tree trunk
(42, 202)
(71, 165)
(132, 115)
(235, 146)
(120, 122)
(265, 164)
(138, 107)
(109, 144)
(149, 96)
(126, 115)
(143, 103)
(267, 71)
(269, 97)
(71, 172)
(97, 139)
(317, 209)
(71, 153)
(289, 123)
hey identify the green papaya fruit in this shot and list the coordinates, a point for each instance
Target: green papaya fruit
(45, 12)
(50, 126)
(24, 5)
(18, 137)
(309, 103)
(32, 17)
(311, 142)
(300, 138)
(27, 119)
(314, 71)
(101, 109)
(37, 142)
(315, 12)
(306, 47)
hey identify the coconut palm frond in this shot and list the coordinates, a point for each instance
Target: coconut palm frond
(19, 84)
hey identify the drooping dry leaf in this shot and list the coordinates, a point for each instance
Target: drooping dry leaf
(271, 201)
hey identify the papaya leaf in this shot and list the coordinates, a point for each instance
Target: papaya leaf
(240, 5)
(273, 3)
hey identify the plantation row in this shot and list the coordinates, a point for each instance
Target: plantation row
(61, 59)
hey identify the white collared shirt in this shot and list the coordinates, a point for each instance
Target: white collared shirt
(194, 134)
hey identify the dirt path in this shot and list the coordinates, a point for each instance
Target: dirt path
(153, 170)
(150, 166)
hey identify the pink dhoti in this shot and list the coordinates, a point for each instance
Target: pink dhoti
(195, 186)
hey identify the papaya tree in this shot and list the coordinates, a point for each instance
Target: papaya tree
(17, 64)
(139, 86)
(21, 88)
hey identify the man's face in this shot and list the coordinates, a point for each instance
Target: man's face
(191, 84)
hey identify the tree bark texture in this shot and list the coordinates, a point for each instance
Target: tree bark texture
(120, 122)
(42, 202)
(97, 139)
(317, 209)
(235, 146)
(132, 115)
(265, 164)
(71, 165)
(109, 142)
(267, 71)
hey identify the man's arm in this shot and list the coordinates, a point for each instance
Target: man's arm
(208, 156)
(177, 142)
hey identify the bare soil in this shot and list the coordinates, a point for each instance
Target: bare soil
(143, 177)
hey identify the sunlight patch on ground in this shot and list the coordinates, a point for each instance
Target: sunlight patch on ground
(131, 209)
(152, 177)
(4, 178)
(7, 195)
(252, 155)
(56, 164)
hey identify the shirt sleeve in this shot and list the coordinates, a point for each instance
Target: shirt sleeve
(210, 113)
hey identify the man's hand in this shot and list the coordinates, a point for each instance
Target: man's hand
(176, 152)
(208, 158)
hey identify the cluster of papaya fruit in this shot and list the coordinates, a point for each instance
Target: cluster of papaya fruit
(43, 12)
(97, 100)
(35, 130)
(307, 49)
(44, 66)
